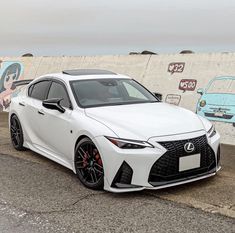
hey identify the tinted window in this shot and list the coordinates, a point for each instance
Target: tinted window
(101, 92)
(57, 90)
(30, 90)
(39, 90)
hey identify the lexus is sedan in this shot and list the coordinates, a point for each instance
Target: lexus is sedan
(112, 132)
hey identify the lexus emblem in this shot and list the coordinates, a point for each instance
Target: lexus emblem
(189, 147)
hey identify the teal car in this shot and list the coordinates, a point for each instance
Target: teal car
(217, 102)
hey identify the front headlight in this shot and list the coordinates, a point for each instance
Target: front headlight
(211, 132)
(129, 144)
(202, 103)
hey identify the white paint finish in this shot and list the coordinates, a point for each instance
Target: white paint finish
(54, 134)
(143, 121)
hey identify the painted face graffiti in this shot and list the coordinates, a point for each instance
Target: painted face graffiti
(9, 72)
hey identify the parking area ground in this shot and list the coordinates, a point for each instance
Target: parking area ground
(38, 195)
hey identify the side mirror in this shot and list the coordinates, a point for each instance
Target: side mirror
(158, 95)
(200, 91)
(53, 104)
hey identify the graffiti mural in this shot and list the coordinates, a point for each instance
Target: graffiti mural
(173, 99)
(217, 101)
(176, 67)
(9, 72)
(187, 84)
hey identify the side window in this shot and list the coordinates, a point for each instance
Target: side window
(30, 90)
(57, 90)
(39, 90)
(133, 92)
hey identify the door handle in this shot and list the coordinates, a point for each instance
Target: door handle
(41, 112)
(22, 104)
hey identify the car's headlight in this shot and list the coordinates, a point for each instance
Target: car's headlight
(202, 103)
(211, 132)
(129, 144)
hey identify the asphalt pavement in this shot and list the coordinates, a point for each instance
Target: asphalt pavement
(38, 195)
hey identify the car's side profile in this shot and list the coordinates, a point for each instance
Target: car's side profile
(112, 132)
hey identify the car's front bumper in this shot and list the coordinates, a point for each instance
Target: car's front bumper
(215, 113)
(119, 163)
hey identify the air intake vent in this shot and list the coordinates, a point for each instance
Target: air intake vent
(123, 176)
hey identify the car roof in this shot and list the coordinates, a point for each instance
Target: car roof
(224, 78)
(80, 72)
(85, 74)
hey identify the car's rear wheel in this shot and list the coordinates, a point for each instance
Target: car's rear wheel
(17, 137)
(88, 164)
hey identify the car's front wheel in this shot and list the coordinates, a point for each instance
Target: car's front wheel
(17, 137)
(88, 164)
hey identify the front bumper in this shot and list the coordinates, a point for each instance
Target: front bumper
(128, 170)
(214, 113)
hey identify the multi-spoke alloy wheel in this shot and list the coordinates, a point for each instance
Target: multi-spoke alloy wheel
(17, 137)
(88, 164)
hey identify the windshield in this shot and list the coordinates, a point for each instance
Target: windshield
(102, 92)
(222, 86)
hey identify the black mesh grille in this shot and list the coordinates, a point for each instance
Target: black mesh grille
(166, 168)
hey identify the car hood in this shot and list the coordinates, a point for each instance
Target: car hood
(142, 121)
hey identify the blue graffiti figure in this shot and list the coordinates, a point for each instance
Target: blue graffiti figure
(217, 102)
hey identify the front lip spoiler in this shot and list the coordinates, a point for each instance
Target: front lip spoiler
(189, 180)
(185, 179)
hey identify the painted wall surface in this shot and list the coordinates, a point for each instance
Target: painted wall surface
(177, 76)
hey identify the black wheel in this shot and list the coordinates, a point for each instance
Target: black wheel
(17, 137)
(88, 164)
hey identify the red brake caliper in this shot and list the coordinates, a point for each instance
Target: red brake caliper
(85, 163)
(97, 157)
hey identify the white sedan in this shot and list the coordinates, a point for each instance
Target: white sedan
(112, 132)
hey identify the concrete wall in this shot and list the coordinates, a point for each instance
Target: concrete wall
(176, 76)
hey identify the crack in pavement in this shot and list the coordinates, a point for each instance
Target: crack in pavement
(62, 210)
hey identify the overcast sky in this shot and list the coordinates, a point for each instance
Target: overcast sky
(94, 27)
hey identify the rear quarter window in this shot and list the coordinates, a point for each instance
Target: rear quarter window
(39, 90)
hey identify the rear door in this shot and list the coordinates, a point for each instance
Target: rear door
(37, 92)
(55, 128)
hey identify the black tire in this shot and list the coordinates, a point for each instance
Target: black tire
(17, 137)
(88, 164)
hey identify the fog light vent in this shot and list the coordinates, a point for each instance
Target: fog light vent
(123, 177)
